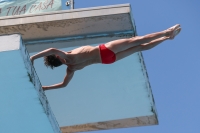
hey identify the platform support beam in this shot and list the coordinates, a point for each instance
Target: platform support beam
(23, 107)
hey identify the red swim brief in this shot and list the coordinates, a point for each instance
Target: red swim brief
(107, 56)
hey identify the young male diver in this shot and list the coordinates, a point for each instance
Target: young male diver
(105, 53)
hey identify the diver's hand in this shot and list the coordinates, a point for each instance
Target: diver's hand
(32, 60)
(44, 88)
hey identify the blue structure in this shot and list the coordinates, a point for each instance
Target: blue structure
(126, 104)
(21, 106)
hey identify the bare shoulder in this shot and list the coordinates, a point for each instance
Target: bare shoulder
(59, 52)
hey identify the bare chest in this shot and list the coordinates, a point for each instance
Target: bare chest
(84, 54)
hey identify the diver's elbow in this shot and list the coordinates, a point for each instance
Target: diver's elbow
(64, 85)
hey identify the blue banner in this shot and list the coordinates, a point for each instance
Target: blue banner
(19, 7)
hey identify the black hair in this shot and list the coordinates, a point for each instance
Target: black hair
(52, 61)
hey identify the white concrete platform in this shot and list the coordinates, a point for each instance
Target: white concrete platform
(82, 23)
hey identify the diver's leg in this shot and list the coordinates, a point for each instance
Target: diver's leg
(124, 44)
(141, 47)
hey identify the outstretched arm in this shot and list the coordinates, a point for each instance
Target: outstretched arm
(67, 79)
(47, 52)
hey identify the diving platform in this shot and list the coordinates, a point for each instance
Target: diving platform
(106, 21)
(125, 100)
